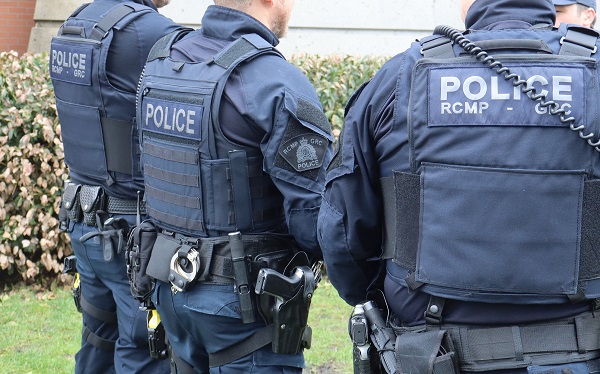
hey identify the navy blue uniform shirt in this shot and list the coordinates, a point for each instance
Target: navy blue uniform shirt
(253, 112)
(374, 143)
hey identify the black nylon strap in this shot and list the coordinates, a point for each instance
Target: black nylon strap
(162, 48)
(117, 143)
(239, 48)
(171, 198)
(107, 22)
(258, 340)
(437, 47)
(435, 309)
(579, 41)
(96, 341)
(97, 313)
(169, 176)
(190, 158)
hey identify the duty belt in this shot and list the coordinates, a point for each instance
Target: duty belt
(83, 201)
(483, 349)
(210, 259)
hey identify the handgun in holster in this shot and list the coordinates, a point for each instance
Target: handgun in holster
(70, 267)
(157, 339)
(365, 357)
(293, 295)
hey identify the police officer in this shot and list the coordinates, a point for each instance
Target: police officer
(233, 146)
(95, 64)
(579, 12)
(476, 215)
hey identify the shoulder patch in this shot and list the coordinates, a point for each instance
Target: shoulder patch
(304, 152)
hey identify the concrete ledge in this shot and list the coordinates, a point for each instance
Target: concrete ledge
(357, 27)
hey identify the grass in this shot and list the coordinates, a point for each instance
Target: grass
(41, 332)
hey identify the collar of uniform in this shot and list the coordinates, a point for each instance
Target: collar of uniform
(509, 14)
(230, 24)
(147, 3)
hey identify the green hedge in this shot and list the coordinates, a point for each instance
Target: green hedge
(32, 168)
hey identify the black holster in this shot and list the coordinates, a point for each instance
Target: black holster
(426, 352)
(293, 291)
(114, 232)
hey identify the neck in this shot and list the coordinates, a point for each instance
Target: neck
(260, 11)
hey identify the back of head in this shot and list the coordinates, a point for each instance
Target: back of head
(235, 4)
(483, 13)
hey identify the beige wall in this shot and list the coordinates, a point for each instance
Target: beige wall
(357, 27)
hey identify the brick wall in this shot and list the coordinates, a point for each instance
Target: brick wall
(16, 21)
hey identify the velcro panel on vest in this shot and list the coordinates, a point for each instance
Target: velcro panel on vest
(589, 267)
(401, 199)
(242, 201)
(117, 137)
(311, 114)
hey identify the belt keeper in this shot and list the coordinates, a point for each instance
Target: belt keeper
(579, 333)
(241, 275)
(519, 356)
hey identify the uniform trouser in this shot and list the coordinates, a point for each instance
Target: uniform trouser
(106, 287)
(205, 319)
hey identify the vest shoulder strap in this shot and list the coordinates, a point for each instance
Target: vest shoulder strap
(162, 48)
(579, 41)
(106, 23)
(233, 53)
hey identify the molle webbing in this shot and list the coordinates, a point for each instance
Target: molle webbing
(402, 195)
(171, 155)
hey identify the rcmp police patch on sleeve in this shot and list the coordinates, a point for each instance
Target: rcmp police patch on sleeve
(304, 152)
(305, 142)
